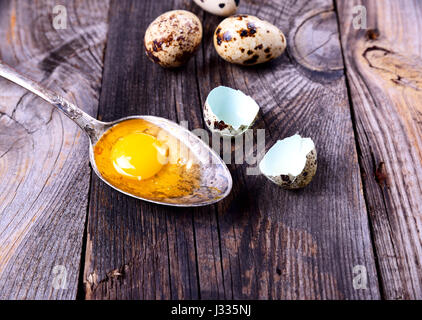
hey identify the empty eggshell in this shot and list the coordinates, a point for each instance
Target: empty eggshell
(172, 38)
(229, 112)
(222, 8)
(248, 40)
(291, 162)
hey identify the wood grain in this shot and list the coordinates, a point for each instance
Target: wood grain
(384, 70)
(44, 172)
(261, 242)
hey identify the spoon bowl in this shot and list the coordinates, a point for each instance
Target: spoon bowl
(215, 178)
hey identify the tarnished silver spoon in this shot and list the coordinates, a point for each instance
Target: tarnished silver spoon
(215, 179)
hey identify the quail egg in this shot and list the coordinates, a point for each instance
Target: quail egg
(222, 8)
(172, 38)
(229, 112)
(248, 40)
(291, 162)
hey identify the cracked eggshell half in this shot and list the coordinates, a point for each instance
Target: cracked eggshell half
(229, 112)
(248, 40)
(291, 162)
(223, 8)
(173, 38)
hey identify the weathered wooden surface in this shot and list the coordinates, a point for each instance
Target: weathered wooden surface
(384, 69)
(44, 172)
(261, 242)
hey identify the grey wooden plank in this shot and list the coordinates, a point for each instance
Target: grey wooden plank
(305, 244)
(44, 165)
(384, 70)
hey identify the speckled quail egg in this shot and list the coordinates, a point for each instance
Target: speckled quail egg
(222, 8)
(248, 40)
(172, 38)
(291, 162)
(229, 112)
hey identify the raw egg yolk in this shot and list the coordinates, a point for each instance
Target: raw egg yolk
(139, 156)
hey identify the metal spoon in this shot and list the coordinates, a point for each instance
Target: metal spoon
(216, 181)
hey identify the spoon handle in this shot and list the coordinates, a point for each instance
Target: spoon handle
(90, 125)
